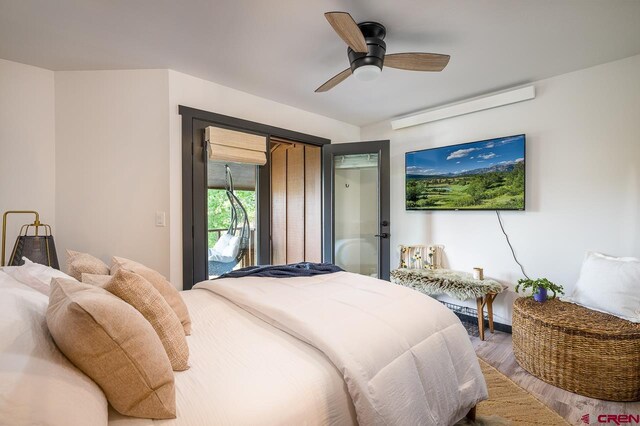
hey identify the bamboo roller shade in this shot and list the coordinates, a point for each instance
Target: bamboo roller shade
(234, 146)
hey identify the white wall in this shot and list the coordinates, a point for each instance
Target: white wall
(202, 94)
(27, 145)
(583, 179)
(112, 157)
(118, 154)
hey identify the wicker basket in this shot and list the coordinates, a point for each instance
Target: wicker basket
(577, 349)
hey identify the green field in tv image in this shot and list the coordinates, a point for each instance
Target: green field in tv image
(485, 175)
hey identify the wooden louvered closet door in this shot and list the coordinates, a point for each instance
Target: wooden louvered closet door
(296, 203)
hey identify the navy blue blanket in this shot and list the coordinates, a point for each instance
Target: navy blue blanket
(303, 269)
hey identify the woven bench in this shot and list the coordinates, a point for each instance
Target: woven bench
(578, 349)
(456, 284)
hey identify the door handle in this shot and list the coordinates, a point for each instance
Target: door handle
(383, 235)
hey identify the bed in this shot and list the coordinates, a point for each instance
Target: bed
(256, 358)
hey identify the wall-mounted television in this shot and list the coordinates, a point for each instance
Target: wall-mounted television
(482, 175)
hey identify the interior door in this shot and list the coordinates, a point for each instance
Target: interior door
(356, 207)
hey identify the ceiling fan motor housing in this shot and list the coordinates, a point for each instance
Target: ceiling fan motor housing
(374, 34)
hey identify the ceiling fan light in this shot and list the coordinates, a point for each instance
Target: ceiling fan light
(367, 72)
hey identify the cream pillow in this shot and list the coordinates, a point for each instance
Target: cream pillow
(609, 284)
(115, 345)
(79, 263)
(140, 294)
(166, 289)
(38, 384)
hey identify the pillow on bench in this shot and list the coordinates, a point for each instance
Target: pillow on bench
(609, 284)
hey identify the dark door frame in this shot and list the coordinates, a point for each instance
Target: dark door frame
(328, 232)
(194, 181)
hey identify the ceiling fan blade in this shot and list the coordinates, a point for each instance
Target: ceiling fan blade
(348, 30)
(334, 81)
(417, 61)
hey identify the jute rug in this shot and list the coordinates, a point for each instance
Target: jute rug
(509, 404)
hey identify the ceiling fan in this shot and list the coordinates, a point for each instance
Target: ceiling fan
(367, 52)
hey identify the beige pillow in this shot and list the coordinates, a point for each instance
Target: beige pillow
(115, 345)
(143, 296)
(77, 263)
(166, 289)
(95, 279)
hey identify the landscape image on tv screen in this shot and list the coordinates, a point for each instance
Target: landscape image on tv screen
(484, 175)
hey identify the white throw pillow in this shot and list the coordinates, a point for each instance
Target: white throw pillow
(222, 242)
(226, 249)
(231, 250)
(38, 384)
(609, 284)
(35, 275)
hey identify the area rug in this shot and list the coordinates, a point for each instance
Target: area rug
(509, 404)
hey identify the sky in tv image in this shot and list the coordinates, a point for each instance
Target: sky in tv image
(484, 175)
(464, 158)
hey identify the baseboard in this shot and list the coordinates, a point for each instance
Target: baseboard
(470, 315)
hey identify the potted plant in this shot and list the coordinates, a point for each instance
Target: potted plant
(539, 288)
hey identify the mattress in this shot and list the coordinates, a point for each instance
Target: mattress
(244, 371)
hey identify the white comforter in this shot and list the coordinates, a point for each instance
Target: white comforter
(246, 372)
(405, 358)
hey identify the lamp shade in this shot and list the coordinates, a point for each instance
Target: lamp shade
(38, 249)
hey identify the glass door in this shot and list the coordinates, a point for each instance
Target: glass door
(231, 216)
(356, 236)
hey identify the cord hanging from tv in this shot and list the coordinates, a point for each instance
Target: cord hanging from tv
(482, 175)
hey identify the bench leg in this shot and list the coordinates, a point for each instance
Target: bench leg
(490, 298)
(480, 304)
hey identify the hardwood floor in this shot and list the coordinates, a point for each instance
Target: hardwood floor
(496, 350)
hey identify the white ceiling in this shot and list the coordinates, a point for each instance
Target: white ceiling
(284, 49)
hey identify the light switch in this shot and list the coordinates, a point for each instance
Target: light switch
(161, 219)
